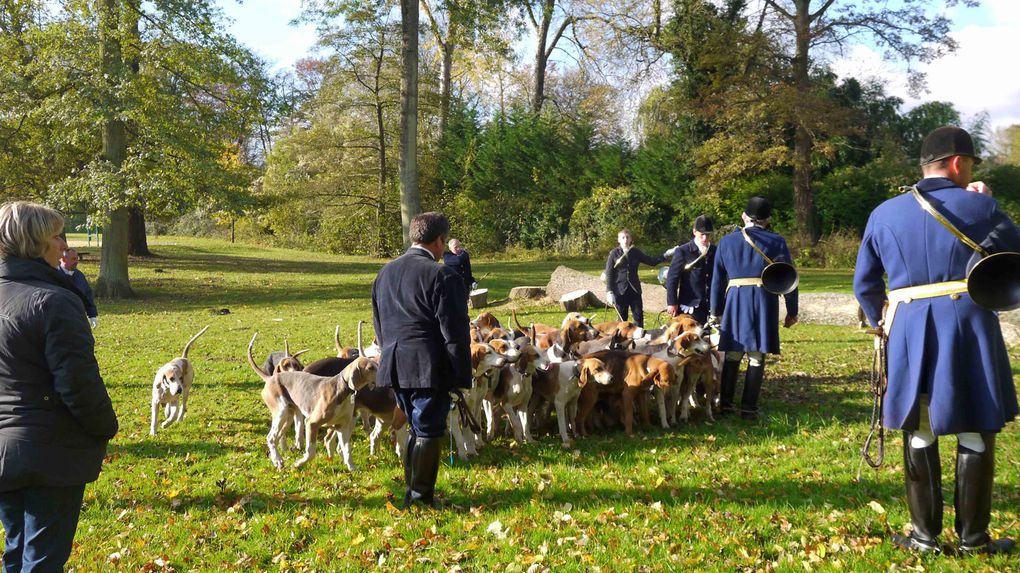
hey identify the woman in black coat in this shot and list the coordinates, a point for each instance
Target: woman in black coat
(55, 414)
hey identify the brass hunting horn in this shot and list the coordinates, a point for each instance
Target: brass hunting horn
(994, 281)
(777, 277)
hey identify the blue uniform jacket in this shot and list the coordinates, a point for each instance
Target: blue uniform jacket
(689, 288)
(623, 277)
(419, 310)
(951, 350)
(750, 315)
(461, 264)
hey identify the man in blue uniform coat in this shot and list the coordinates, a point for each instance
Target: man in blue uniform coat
(458, 259)
(623, 287)
(690, 273)
(419, 310)
(948, 371)
(748, 314)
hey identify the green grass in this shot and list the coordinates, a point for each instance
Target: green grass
(780, 494)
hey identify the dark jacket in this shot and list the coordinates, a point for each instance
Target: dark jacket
(689, 288)
(620, 277)
(82, 284)
(419, 309)
(462, 265)
(55, 414)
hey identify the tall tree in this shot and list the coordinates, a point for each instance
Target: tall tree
(410, 194)
(455, 25)
(906, 31)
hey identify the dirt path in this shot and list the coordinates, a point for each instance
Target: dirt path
(815, 308)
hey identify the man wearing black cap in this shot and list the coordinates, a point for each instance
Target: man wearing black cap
(690, 273)
(948, 370)
(748, 314)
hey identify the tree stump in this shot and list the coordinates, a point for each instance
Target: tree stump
(530, 292)
(478, 298)
(577, 300)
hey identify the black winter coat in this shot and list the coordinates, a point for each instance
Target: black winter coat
(419, 310)
(55, 414)
(690, 288)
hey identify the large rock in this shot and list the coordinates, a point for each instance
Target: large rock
(565, 279)
(527, 292)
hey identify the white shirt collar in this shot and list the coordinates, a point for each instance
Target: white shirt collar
(433, 257)
(66, 272)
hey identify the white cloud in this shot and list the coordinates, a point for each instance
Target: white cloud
(979, 76)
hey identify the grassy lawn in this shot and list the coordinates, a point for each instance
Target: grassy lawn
(780, 494)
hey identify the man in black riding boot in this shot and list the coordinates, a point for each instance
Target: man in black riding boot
(947, 367)
(420, 316)
(749, 313)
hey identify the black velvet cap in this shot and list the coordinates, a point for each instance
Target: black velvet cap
(758, 208)
(947, 141)
(704, 224)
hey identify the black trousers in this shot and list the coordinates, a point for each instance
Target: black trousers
(631, 300)
(426, 410)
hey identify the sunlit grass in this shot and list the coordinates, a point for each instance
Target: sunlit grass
(732, 495)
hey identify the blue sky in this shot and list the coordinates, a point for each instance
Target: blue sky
(979, 77)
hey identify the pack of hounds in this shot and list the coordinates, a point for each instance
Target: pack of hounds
(594, 377)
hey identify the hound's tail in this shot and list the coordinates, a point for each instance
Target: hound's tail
(517, 323)
(265, 376)
(192, 341)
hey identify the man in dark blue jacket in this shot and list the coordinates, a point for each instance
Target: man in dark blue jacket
(421, 322)
(623, 287)
(690, 273)
(749, 314)
(948, 368)
(69, 266)
(458, 259)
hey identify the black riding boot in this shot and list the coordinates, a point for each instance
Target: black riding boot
(728, 386)
(424, 471)
(408, 469)
(974, 476)
(924, 497)
(752, 390)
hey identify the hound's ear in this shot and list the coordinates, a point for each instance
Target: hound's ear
(583, 374)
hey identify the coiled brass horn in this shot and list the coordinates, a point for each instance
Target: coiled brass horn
(780, 278)
(777, 277)
(994, 282)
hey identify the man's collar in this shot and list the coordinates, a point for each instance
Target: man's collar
(66, 271)
(421, 248)
(935, 183)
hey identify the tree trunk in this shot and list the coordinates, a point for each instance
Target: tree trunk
(803, 202)
(380, 200)
(541, 61)
(446, 87)
(138, 245)
(113, 266)
(410, 196)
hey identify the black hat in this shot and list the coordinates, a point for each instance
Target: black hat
(947, 141)
(758, 208)
(704, 224)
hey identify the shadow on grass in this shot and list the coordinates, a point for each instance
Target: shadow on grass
(153, 448)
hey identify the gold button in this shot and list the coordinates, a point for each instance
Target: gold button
(955, 296)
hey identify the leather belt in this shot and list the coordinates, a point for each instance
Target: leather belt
(749, 281)
(907, 294)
